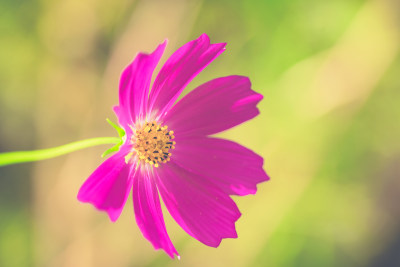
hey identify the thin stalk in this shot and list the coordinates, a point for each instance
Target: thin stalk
(16, 157)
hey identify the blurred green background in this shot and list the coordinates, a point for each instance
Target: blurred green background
(328, 130)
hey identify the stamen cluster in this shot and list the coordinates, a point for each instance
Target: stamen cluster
(153, 142)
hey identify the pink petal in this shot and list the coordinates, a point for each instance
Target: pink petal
(232, 167)
(213, 107)
(108, 187)
(179, 70)
(148, 213)
(198, 206)
(135, 83)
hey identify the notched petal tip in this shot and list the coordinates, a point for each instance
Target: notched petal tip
(171, 254)
(204, 36)
(165, 43)
(206, 39)
(232, 235)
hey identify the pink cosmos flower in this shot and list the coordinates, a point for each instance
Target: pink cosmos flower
(167, 148)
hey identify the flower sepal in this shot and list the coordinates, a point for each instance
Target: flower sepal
(121, 134)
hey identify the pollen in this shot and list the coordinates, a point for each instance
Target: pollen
(152, 143)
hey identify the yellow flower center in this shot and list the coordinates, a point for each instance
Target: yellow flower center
(152, 143)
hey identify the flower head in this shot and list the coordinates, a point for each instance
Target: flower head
(168, 150)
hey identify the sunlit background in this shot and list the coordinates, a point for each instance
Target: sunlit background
(329, 128)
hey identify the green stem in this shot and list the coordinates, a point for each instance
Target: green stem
(15, 157)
